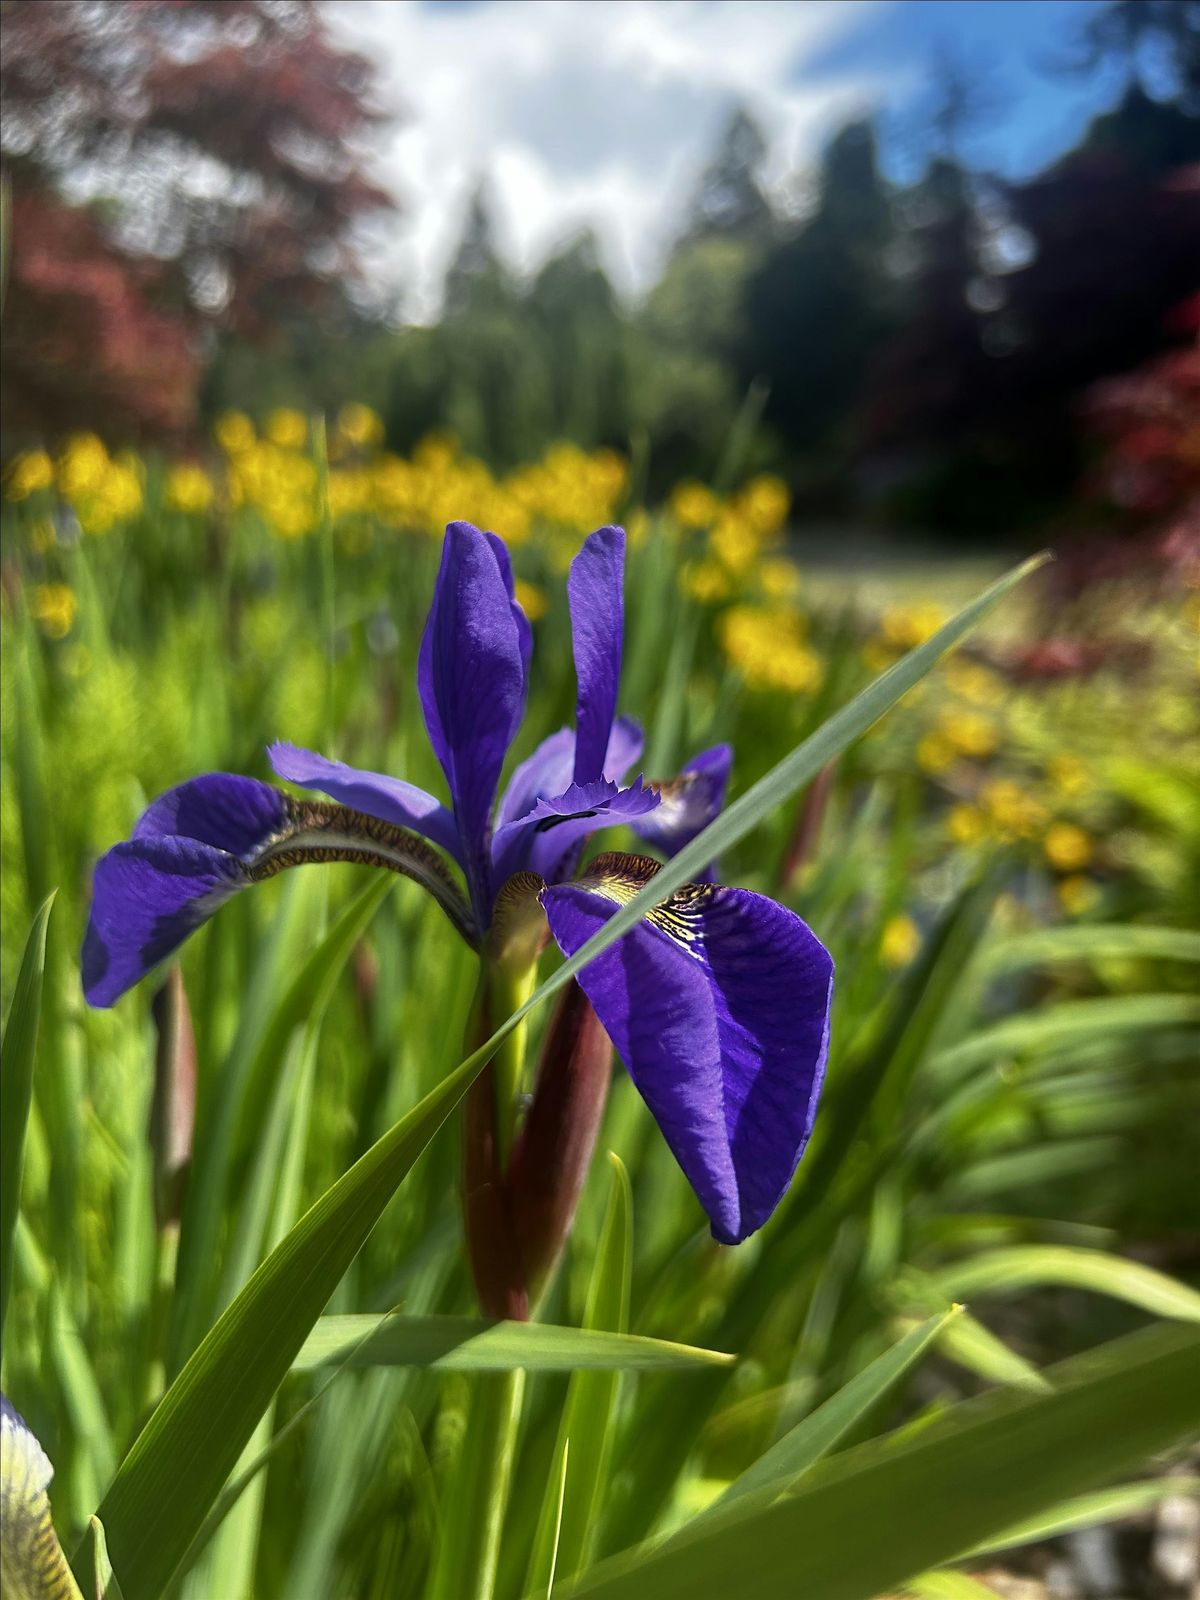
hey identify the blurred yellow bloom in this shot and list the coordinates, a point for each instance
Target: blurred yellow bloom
(234, 431)
(900, 942)
(764, 503)
(1067, 847)
(287, 428)
(877, 655)
(905, 627)
(706, 581)
(780, 578)
(966, 824)
(81, 466)
(359, 426)
(28, 474)
(733, 543)
(1076, 895)
(934, 753)
(974, 682)
(188, 488)
(54, 606)
(1068, 775)
(766, 644)
(1016, 813)
(531, 599)
(694, 504)
(969, 732)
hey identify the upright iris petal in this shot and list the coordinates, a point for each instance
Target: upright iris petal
(472, 680)
(595, 591)
(718, 1003)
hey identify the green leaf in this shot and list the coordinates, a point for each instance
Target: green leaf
(1085, 1510)
(977, 1348)
(153, 1510)
(815, 1435)
(1035, 1265)
(1093, 942)
(567, 1525)
(987, 1465)
(1066, 1024)
(948, 1586)
(17, 1056)
(107, 1587)
(471, 1344)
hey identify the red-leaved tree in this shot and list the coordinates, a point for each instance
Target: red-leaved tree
(174, 166)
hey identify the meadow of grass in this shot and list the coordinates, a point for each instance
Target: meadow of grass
(898, 1373)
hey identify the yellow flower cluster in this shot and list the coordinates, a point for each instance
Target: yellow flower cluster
(101, 490)
(768, 646)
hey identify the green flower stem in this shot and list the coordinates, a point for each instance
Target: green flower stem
(469, 1543)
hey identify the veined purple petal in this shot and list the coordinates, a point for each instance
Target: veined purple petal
(718, 1003)
(222, 809)
(524, 631)
(551, 767)
(472, 678)
(689, 804)
(390, 799)
(595, 587)
(148, 895)
(546, 839)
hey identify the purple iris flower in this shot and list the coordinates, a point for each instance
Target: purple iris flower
(718, 1001)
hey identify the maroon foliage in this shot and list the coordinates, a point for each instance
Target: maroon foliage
(174, 165)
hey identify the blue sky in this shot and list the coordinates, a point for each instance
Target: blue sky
(601, 113)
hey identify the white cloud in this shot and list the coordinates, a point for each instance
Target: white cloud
(581, 112)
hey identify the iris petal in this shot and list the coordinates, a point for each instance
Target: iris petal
(389, 799)
(148, 895)
(718, 1003)
(547, 839)
(472, 680)
(689, 804)
(595, 592)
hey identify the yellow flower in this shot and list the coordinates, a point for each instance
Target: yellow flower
(766, 645)
(1076, 894)
(732, 542)
(934, 753)
(780, 578)
(1068, 775)
(706, 581)
(908, 626)
(188, 488)
(976, 683)
(764, 502)
(82, 466)
(359, 426)
(966, 824)
(1016, 813)
(54, 606)
(968, 732)
(900, 942)
(693, 504)
(877, 655)
(234, 431)
(1067, 847)
(29, 473)
(531, 599)
(287, 428)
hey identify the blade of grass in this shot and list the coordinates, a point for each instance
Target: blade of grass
(17, 1056)
(468, 1344)
(1035, 1265)
(952, 1486)
(566, 1527)
(1084, 1511)
(1093, 943)
(816, 1435)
